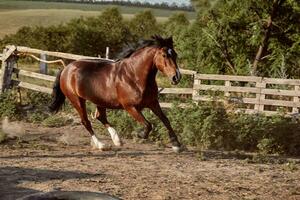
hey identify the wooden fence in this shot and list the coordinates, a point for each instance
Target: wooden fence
(249, 93)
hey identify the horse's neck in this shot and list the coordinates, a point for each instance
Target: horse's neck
(143, 67)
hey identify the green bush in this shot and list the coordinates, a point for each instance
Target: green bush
(206, 126)
(8, 105)
(209, 126)
(56, 121)
(3, 136)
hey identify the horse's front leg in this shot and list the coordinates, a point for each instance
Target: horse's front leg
(101, 116)
(156, 109)
(138, 116)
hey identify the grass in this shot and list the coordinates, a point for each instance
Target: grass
(15, 14)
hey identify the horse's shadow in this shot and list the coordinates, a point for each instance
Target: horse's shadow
(12, 177)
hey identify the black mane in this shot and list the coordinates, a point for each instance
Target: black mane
(155, 40)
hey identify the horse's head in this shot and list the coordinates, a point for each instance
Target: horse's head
(165, 59)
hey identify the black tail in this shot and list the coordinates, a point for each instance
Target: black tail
(58, 97)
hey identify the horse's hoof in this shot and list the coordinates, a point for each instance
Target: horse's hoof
(177, 149)
(142, 135)
(105, 148)
(102, 147)
(118, 143)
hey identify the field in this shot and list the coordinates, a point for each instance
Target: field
(46, 159)
(15, 14)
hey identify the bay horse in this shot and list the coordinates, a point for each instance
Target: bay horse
(128, 83)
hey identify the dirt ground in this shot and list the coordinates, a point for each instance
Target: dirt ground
(46, 159)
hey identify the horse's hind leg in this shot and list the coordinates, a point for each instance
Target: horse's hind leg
(80, 106)
(101, 116)
(137, 115)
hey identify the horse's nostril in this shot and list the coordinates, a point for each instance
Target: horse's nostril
(174, 78)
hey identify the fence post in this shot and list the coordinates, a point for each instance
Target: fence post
(8, 63)
(2, 70)
(107, 53)
(195, 91)
(227, 84)
(259, 96)
(43, 66)
(296, 100)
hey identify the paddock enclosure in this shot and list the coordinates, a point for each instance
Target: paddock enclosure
(249, 93)
(43, 159)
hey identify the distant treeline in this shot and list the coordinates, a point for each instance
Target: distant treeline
(163, 5)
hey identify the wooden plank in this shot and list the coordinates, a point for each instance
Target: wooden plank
(227, 89)
(187, 71)
(296, 99)
(8, 63)
(279, 92)
(238, 100)
(2, 72)
(56, 54)
(9, 51)
(169, 105)
(265, 112)
(176, 90)
(282, 103)
(227, 84)
(228, 77)
(281, 81)
(259, 96)
(195, 91)
(34, 87)
(35, 75)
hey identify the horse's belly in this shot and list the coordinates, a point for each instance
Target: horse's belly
(106, 101)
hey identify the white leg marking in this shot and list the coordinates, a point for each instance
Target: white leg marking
(114, 136)
(176, 149)
(98, 144)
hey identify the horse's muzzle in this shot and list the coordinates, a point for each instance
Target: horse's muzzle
(176, 78)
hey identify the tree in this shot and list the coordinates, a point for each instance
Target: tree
(247, 36)
(91, 36)
(144, 25)
(176, 27)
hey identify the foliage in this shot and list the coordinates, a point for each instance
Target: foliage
(143, 25)
(56, 121)
(206, 126)
(3, 136)
(229, 33)
(8, 105)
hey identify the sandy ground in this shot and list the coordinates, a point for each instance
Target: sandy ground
(41, 161)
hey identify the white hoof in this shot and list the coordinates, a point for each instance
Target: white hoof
(99, 145)
(176, 149)
(114, 136)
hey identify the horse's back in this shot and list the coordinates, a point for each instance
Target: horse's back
(91, 80)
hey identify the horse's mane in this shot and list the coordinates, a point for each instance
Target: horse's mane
(155, 40)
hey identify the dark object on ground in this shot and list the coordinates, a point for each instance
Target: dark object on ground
(69, 195)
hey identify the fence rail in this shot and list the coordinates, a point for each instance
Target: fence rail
(267, 93)
(250, 93)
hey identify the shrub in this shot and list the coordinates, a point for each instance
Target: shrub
(3, 136)
(56, 121)
(206, 126)
(8, 105)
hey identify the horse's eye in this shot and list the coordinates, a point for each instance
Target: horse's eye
(164, 55)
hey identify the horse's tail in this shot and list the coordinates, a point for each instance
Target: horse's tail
(58, 96)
